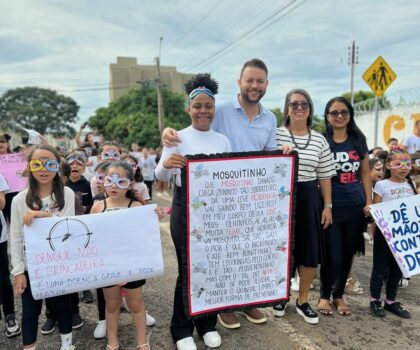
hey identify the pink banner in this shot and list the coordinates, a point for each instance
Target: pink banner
(12, 167)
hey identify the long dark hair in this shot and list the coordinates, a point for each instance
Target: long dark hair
(6, 138)
(387, 172)
(286, 120)
(33, 200)
(128, 172)
(138, 176)
(352, 129)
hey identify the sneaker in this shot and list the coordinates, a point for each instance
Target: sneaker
(376, 308)
(48, 327)
(212, 339)
(307, 313)
(100, 330)
(294, 285)
(77, 321)
(186, 344)
(280, 309)
(150, 320)
(254, 316)
(229, 320)
(12, 326)
(403, 283)
(71, 347)
(88, 297)
(397, 309)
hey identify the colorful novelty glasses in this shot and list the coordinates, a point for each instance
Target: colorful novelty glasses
(111, 155)
(50, 165)
(120, 182)
(399, 163)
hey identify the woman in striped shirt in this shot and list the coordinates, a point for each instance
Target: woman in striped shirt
(313, 195)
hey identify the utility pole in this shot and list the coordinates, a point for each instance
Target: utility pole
(353, 60)
(159, 86)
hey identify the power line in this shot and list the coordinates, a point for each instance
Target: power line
(200, 22)
(250, 33)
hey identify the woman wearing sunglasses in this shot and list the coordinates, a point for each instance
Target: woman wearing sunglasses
(351, 195)
(313, 195)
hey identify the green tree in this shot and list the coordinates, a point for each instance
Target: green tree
(133, 117)
(39, 109)
(364, 95)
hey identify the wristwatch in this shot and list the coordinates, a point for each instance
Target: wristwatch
(328, 206)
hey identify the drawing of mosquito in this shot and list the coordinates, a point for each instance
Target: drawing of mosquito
(281, 247)
(282, 219)
(197, 203)
(197, 292)
(280, 169)
(197, 233)
(200, 171)
(200, 267)
(280, 280)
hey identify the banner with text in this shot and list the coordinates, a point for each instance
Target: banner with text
(399, 222)
(239, 237)
(12, 167)
(72, 254)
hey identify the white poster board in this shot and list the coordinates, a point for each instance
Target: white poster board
(239, 231)
(399, 222)
(71, 254)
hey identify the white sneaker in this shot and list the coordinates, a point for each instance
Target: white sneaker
(186, 344)
(150, 321)
(100, 330)
(71, 347)
(212, 339)
(294, 286)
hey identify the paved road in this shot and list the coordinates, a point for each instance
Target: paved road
(358, 331)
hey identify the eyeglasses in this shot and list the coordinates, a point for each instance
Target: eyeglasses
(344, 113)
(50, 165)
(379, 166)
(399, 163)
(295, 105)
(120, 182)
(111, 155)
(99, 178)
(71, 159)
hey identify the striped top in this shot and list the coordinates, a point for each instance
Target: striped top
(315, 161)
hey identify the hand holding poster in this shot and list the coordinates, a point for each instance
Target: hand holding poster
(71, 254)
(239, 221)
(12, 167)
(399, 222)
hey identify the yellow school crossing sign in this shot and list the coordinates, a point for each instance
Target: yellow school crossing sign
(379, 76)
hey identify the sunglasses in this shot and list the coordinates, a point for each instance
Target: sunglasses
(70, 160)
(295, 105)
(398, 164)
(120, 182)
(99, 178)
(112, 155)
(50, 165)
(344, 113)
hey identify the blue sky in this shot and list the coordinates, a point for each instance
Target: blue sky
(68, 46)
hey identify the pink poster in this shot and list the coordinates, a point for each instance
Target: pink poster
(12, 167)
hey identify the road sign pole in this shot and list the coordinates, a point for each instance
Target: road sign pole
(376, 121)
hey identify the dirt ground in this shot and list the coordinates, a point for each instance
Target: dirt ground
(359, 331)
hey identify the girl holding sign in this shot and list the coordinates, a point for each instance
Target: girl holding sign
(44, 197)
(396, 184)
(118, 184)
(197, 138)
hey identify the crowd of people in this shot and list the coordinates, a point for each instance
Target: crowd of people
(338, 179)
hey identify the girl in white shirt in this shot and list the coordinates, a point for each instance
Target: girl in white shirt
(44, 197)
(396, 184)
(197, 138)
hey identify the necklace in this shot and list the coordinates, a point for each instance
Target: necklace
(294, 142)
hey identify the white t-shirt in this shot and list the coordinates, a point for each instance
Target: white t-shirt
(412, 143)
(19, 208)
(390, 190)
(140, 187)
(193, 142)
(3, 188)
